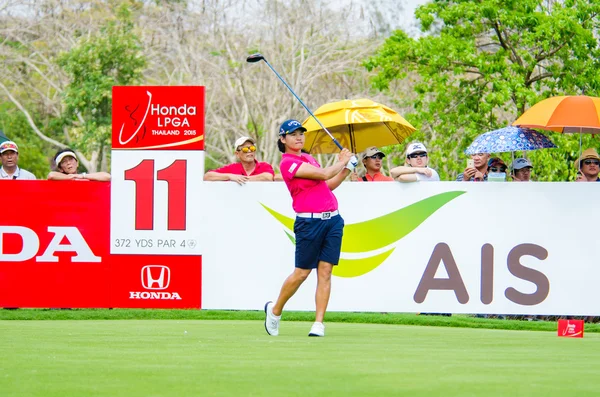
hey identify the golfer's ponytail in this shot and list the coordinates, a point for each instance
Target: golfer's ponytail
(280, 145)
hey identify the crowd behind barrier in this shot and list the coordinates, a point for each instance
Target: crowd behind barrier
(65, 166)
(481, 167)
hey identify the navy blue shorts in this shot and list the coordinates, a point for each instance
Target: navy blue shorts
(318, 240)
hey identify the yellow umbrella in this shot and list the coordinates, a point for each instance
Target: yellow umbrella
(356, 124)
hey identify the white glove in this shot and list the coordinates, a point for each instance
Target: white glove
(352, 163)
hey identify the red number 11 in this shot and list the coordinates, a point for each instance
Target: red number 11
(143, 176)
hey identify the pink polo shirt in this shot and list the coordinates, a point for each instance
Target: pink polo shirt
(308, 195)
(238, 169)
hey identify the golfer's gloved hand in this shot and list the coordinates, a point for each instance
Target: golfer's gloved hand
(352, 163)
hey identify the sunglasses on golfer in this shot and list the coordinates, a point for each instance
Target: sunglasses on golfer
(416, 155)
(248, 149)
(588, 162)
(377, 156)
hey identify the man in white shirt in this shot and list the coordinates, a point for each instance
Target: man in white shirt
(416, 168)
(9, 152)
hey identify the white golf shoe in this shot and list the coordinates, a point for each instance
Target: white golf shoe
(271, 320)
(317, 329)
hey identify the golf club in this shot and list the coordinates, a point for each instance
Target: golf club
(259, 57)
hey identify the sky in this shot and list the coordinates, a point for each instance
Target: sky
(396, 13)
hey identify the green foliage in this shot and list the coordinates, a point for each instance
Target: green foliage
(111, 57)
(31, 148)
(484, 63)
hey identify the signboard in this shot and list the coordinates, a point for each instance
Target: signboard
(442, 247)
(446, 247)
(157, 166)
(56, 254)
(155, 202)
(158, 118)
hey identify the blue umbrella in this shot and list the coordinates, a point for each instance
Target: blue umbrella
(509, 139)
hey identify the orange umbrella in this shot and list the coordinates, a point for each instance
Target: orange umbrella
(564, 114)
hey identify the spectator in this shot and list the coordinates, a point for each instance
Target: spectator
(9, 152)
(589, 165)
(66, 168)
(477, 170)
(521, 170)
(496, 170)
(371, 159)
(248, 169)
(416, 168)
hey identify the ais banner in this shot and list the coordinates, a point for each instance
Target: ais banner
(441, 247)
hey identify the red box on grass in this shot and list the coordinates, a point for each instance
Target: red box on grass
(570, 328)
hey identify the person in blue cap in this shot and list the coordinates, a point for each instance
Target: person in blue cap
(318, 226)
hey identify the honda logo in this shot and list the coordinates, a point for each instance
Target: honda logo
(156, 277)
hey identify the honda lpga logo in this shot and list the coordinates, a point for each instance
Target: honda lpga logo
(160, 280)
(155, 278)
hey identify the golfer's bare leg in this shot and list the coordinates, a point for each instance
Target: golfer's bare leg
(323, 289)
(289, 288)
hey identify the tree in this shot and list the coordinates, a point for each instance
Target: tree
(66, 99)
(111, 57)
(310, 46)
(58, 60)
(31, 150)
(486, 63)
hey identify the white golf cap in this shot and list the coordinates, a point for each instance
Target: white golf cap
(242, 140)
(8, 145)
(61, 156)
(415, 147)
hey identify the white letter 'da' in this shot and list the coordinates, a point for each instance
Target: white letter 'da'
(78, 245)
(31, 243)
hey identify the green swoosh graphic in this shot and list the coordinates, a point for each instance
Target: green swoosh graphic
(382, 231)
(377, 233)
(387, 229)
(358, 267)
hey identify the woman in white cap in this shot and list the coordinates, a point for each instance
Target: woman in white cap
(66, 168)
(416, 168)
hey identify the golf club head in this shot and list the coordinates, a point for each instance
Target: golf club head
(255, 58)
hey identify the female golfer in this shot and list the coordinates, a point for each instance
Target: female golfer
(318, 226)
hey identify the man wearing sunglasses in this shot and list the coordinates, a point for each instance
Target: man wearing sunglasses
(247, 169)
(9, 152)
(589, 165)
(416, 168)
(372, 160)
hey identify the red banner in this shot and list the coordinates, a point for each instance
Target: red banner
(54, 252)
(145, 118)
(570, 328)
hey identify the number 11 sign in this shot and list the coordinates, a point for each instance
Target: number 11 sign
(157, 169)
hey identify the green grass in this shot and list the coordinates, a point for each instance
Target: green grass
(461, 321)
(237, 358)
